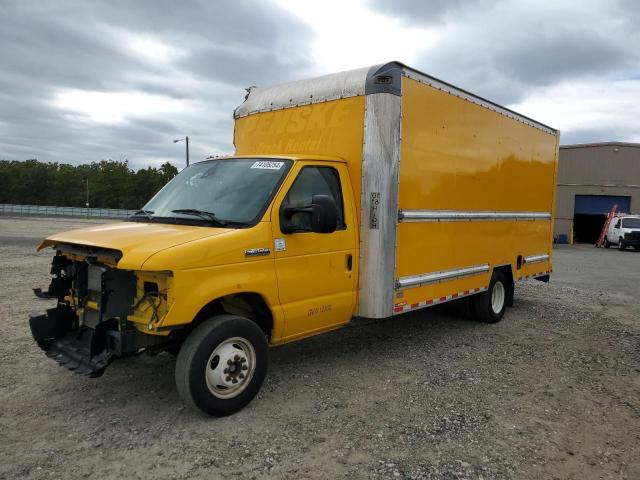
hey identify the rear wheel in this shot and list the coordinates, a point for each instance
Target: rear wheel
(607, 243)
(489, 306)
(222, 364)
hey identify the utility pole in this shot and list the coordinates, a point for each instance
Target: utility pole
(87, 202)
(187, 143)
(186, 140)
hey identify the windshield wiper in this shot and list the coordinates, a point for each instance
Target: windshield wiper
(209, 216)
(143, 213)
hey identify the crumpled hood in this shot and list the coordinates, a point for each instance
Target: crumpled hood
(136, 240)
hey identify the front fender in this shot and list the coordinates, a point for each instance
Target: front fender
(209, 268)
(195, 288)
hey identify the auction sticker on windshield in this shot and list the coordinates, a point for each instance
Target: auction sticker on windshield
(263, 165)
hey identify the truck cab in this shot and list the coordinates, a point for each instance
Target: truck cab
(624, 231)
(266, 245)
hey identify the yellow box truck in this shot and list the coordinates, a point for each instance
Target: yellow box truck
(366, 193)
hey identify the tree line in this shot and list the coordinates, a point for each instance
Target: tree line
(112, 184)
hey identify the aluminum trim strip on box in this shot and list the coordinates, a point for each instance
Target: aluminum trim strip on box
(467, 216)
(543, 257)
(422, 279)
(379, 207)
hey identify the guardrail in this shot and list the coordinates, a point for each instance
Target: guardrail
(52, 211)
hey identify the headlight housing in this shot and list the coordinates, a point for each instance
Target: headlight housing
(153, 298)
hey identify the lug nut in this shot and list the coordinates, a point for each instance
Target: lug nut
(242, 360)
(228, 379)
(236, 358)
(244, 367)
(226, 370)
(229, 362)
(235, 380)
(241, 376)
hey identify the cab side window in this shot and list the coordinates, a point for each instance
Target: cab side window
(617, 224)
(314, 181)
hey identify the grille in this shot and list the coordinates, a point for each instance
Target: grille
(634, 236)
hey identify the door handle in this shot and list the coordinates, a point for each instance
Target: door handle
(349, 262)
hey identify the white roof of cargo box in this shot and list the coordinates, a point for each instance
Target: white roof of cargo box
(386, 78)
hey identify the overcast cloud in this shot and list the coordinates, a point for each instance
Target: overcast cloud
(82, 81)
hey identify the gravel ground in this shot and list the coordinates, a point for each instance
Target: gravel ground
(581, 267)
(553, 391)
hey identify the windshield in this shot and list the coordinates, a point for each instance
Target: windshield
(229, 192)
(631, 223)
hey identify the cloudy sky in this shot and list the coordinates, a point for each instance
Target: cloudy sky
(82, 81)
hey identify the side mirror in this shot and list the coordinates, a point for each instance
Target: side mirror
(320, 217)
(324, 215)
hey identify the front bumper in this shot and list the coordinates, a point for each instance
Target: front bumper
(632, 239)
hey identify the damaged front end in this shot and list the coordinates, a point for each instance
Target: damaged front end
(90, 327)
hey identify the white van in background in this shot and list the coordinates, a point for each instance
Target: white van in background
(624, 231)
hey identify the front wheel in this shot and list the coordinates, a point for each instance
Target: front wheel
(222, 364)
(489, 307)
(621, 244)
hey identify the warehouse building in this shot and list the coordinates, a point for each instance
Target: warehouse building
(591, 179)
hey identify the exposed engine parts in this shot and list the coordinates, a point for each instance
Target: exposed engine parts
(89, 325)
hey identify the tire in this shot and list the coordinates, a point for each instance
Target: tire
(607, 243)
(621, 244)
(220, 344)
(489, 307)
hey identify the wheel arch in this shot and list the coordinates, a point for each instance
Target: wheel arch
(507, 271)
(250, 305)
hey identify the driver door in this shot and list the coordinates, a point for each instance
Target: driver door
(315, 271)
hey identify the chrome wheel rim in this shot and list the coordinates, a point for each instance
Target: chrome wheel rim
(230, 367)
(497, 297)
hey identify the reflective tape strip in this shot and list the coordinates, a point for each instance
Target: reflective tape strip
(405, 307)
(419, 280)
(467, 216)
(543, 257)
(534, 275)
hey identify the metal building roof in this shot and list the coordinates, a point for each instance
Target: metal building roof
(601, 144)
